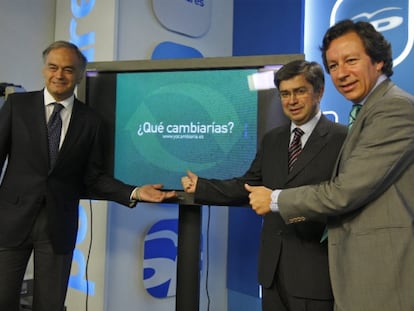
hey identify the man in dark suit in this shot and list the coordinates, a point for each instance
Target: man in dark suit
(293, 264)
(369, 201)
(39, 199)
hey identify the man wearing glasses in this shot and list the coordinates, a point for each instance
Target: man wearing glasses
(293, 264)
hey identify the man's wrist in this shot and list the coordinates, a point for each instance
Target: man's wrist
(274, 207)
(135, 196)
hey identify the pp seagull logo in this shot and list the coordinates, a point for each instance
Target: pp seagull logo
(395, 22)
(160, 258)
(382, 24)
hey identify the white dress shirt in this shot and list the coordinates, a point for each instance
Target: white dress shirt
(65, 113)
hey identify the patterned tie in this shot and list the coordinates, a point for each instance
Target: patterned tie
(353, 114)
(295, 147)
(54, 128)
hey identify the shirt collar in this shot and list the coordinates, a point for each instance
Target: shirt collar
(48, 99)
(308, 126)
(380, 79)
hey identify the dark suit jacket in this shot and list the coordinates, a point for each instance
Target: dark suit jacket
(29, 185)
(297, 246)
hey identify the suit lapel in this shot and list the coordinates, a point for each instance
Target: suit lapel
(311, 150)
(281, 158)
(75, 129)
(36, 125)
(371, 100)
(353, 135)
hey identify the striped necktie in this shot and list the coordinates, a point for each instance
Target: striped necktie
(54, 128)
(295, 147)
(353, 114)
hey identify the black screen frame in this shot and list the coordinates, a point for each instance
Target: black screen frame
(268, 117)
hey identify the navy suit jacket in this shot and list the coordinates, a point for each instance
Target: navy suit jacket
(28, 183)
(296, 247)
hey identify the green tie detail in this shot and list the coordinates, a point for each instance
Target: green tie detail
(353, 114)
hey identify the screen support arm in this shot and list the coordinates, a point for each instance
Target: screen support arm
(188, 260)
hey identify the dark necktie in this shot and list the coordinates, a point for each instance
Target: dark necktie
(54, 128)
(353, 114)
(295, 147)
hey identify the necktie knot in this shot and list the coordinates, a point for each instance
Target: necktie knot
(56, 111)
(295, 147)
(57, 107)
(298, 132)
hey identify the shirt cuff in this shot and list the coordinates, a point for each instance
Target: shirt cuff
(135, 193)
(274, 207)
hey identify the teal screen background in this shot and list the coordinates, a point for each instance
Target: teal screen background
(169, 122)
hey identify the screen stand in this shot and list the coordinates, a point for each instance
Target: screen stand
(188, 258)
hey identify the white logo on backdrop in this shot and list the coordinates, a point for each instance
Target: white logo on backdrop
(383, 24)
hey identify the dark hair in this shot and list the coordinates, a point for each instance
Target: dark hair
(376, 47)
(312, 72)
(67, 45)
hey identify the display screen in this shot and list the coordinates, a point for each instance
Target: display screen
(170, 122)
(161, 123)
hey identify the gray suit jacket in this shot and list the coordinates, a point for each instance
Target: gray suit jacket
(370, 204)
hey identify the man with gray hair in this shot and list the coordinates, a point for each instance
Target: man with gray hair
(55, 156)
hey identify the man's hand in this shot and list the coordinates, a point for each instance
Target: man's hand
(260, 198)
(189, 182)
(152, 193)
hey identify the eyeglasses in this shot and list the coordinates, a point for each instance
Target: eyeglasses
(298, 93)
